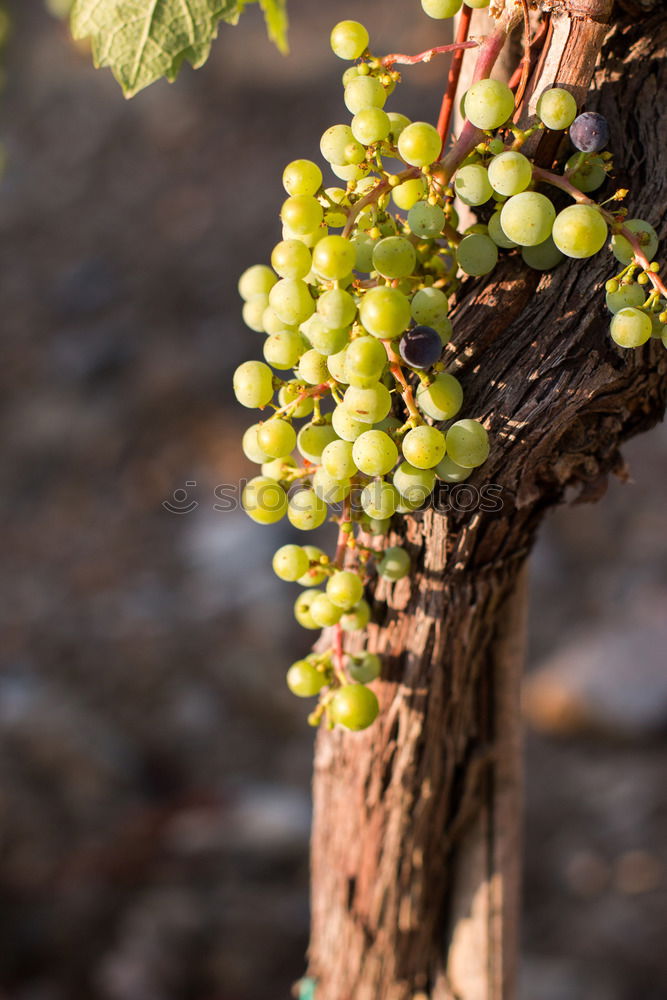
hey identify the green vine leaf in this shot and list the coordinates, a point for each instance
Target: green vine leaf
(275, 15)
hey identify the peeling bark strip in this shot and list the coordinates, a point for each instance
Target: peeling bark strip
(416, 827)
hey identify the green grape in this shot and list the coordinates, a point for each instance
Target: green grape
(329, 488)
(250, 446)
(472, 184)
(425, 220)
(379, 499)
(377, 526)
(631, 327)
(488, 104)
(394, 257)
(510, 173)
(364, 668)
(398, 124)
(627, 295)
(414, 485)
(324, 612)
(419, 144)
(645, 233)
(444, 328)
(302, 178)
(338, 461)
(334, 142)
(324, 340)
(313, 368)
(272, 324)
(354, 706)
(366, 359)
(371, 125)
(276, 437)
(557, 108)
(468, 443)
(408, 193)
(477, 4)
(477, 254)
(349, 74)
(364, 92)
(308, 239)
(542, 257)
(346, 426)
(368, 405)
(279, 468)
(349, 39)
(290, 562)
(264, 500)
(332, 216)
(334, 257)
(579, 231)
(301, 213)
(374, 453)
(528, 218)
(337, 308)
(587, 171)
(363, 245)
(442, 399)
(336, 365)
(450, 472)
(496, 233)
(312, 439)
(305, 510)
(256, 281)
(253, 384)
(302, 607)
(345, 589)
(314, 576)
(283, 350)
(291, 259)
(350, 171)
(395, 563)
(289, 393)
(253, 313)
(390, 423)
(440, 9)
(291, 301)
(304, 680)
(356, 618)
(429, 306)
(384, 312)
(424, 446)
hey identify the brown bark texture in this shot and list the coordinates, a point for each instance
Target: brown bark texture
(416, 837)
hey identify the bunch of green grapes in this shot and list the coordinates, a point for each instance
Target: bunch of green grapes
(361, 419)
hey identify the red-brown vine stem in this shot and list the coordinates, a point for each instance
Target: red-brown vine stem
(427, 55)
(447, 106)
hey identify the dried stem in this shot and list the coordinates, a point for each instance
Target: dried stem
(424, 57)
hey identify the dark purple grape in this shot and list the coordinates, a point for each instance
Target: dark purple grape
(420, 347)
(589, 132)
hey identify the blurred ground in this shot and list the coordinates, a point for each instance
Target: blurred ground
(153, 772)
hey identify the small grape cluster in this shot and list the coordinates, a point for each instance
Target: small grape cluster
(355, 309)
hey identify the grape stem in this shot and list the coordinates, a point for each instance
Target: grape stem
(382, 188)
(317, 390)
(535, 46)
(405, 388)
(525, 62)
(424, 57)
(447, 106)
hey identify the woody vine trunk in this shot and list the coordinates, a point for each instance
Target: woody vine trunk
(416, 839)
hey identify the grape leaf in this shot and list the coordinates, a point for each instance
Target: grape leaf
(275, 15)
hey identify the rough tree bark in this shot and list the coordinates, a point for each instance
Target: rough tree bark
(415, 854)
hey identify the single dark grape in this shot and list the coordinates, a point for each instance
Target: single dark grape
(589, 132)
(420, 347)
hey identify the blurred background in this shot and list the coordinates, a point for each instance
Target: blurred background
(154, 771)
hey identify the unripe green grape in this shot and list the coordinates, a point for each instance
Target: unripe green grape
(324, 612)
(338, 461)
(273, 324)
(379, 499)
(388, 424)
(276, 437)
(305, 510)
(334, 257)
(384, 312)
(332, 216)
(337, 308)
(313, 368)
(290, 562)
(408, 193)
(279, 468)
(419, 144)
(424, 446)
(442, 399)
(542, 257)
(468, 443)
(253, 312)
(377, 526)
(283, 350)
(394, 257)
(364, 92)
(631, 327)
(374, 453)
(444, 328)
(312, 439)
(304, 680)
(496, 233)
(440, 9)
(363, 245)
(579, 231)
(256, 280)
(291, 259)
(557, 108)
(324, 340)
(345, 589)
(356, 618)
(302, 177)
(510, 173)
(355, 154)
(428, 306)
(414, 485)
(354, 706)
(334, 143)
(398, 124)
(302, 607)
(627, 295)
(251, 447)
(488, 104)
(349, 39)
(301, 213)
(350, 171)
(528, 218)
(308, 239)
(291, 301)
(425, 220)
(366, 358)
(449, 472)
(290, 392)
(645, 233)
(336, 366)
(364, 668)
(472, 184)
(395, 563)
(477, 254)
(477, 4)
(349, 74)
(345, 425)
(253, 384)
(264, 500)
(367, 405)
(588, 171)
(370, 125)
(314, 575)
(330, 488)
